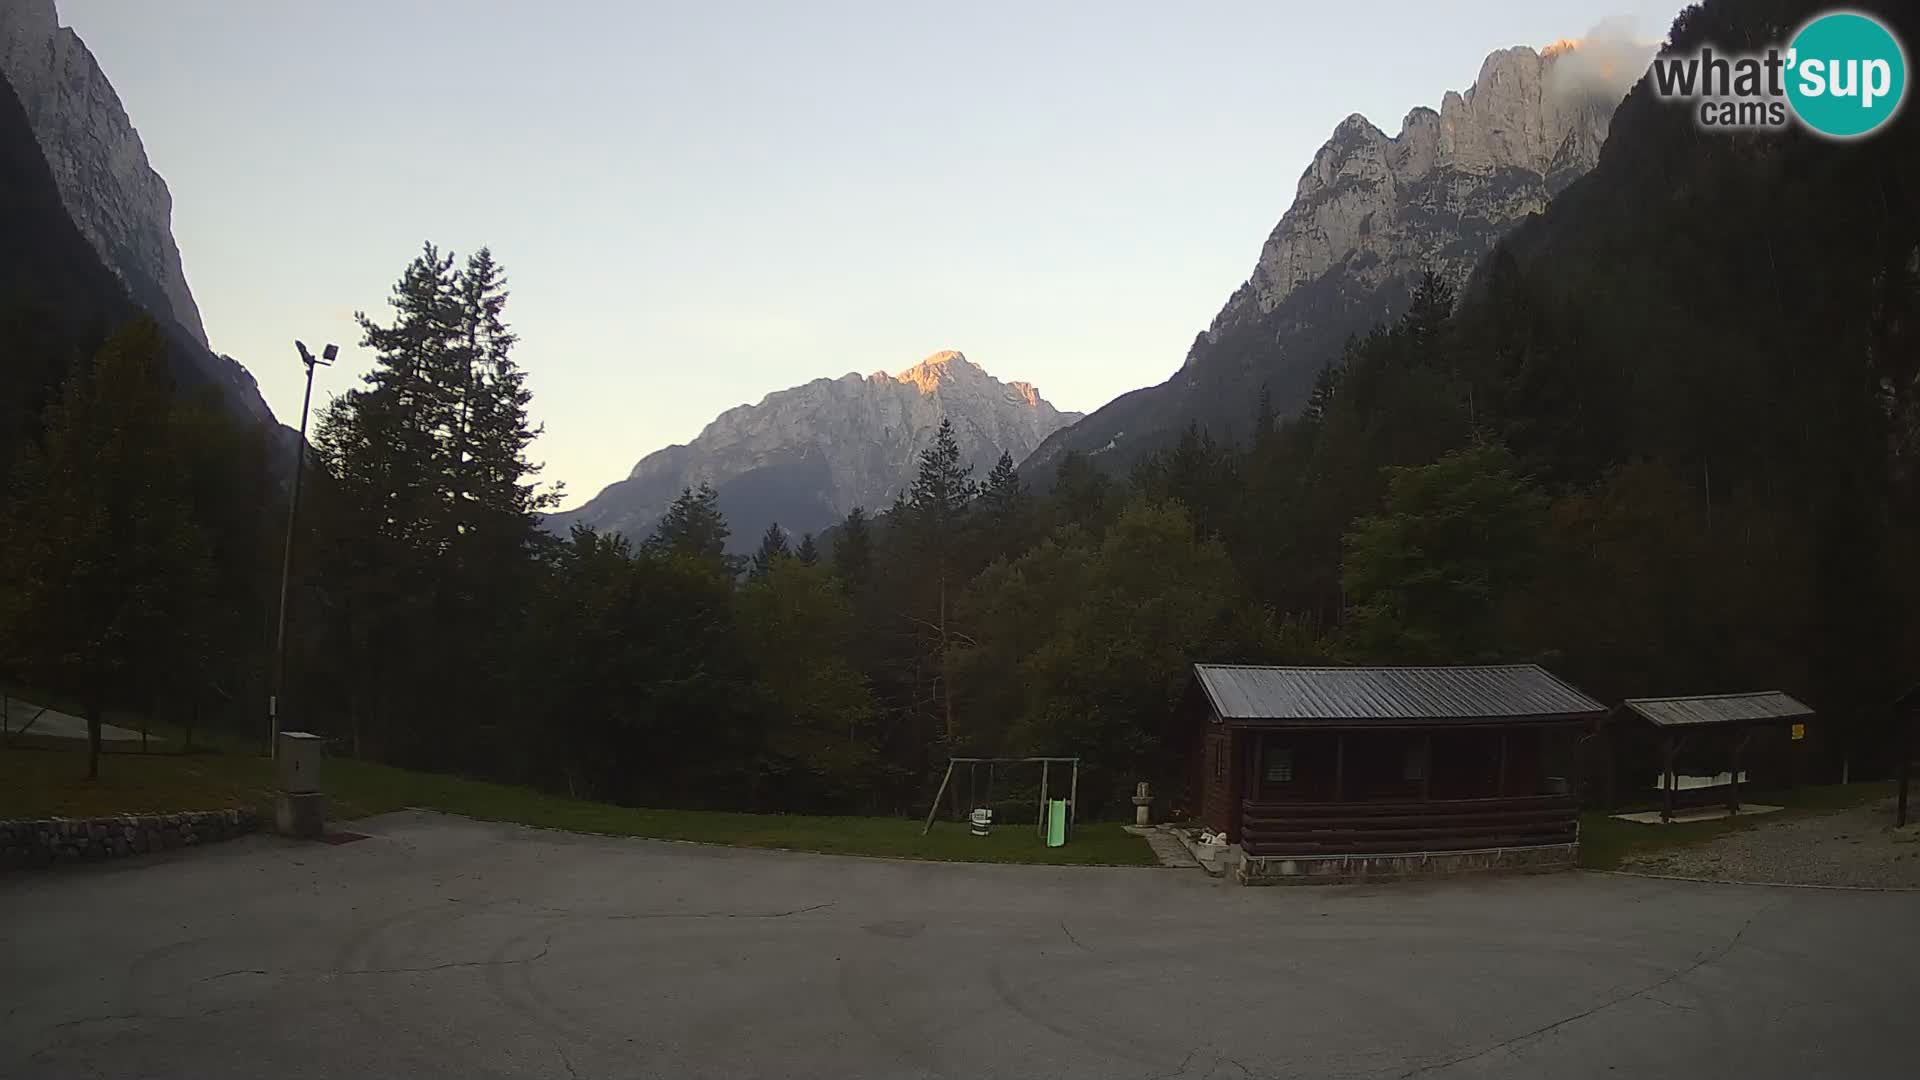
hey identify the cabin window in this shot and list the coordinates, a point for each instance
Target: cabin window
(1279, 766)
(1414, 765)
(1219, 761)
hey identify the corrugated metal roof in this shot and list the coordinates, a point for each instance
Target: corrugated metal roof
(1388, 695)
(1719, 708)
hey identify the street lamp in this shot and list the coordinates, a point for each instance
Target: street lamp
(327, 356)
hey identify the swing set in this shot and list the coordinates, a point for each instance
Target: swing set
(992, 763)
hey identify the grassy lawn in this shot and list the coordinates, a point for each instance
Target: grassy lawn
(1605, 843)
(40, 779)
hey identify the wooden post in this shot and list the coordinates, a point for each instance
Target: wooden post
(935, 808)
(1258, 759)
(1043, 800)
(1500, 784)
(1906, 763)
(1613, 765)
(1340, 766)
(1666, 811)
(1426, 767)
(1733, 776)
(1073, 798)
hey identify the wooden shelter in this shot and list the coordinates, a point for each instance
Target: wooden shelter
(1293, 763)
(1716, 728)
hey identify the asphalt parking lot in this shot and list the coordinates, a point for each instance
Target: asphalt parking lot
(444, 947)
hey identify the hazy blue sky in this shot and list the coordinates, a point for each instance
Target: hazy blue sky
(700, 203)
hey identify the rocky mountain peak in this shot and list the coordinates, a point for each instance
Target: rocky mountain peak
(1370, 214)
(945, 366)
(803, 457)
(1377, 205)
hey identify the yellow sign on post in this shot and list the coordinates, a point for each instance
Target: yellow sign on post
(1799, 732)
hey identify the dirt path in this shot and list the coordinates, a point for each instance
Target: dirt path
(1858, 847)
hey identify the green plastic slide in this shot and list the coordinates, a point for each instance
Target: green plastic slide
(1056, 822)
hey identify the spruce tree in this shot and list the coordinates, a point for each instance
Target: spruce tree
(493, 477)
(695, 528)
(1003, 509)
(391, 435)
(853, 551)
(808, 552)
(432, 504)
(1431, 307)
(933, 512)
(1002, 488)
(773, 548)
(942, 488)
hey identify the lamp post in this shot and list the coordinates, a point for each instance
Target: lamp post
(327, 356)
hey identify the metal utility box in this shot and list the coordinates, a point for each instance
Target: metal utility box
(299, 761)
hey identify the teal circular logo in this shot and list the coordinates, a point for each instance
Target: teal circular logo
(1846, 74)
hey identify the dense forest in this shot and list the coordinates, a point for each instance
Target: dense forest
(1666, 442)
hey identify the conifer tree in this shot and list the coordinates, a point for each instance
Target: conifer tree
(808, 552)
(853, 551)
(773, 548)
(1003, 505)
(933, 512)
(694, 527)
(432, 505)
(493, 476)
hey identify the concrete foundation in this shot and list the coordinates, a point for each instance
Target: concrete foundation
(1343, 869)
(301, 815)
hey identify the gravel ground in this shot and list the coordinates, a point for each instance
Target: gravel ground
(1858, 847)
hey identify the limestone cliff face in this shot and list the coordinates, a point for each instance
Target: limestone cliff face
(1437, 195)
(1370, 214)
(803, 457)
(120, 204)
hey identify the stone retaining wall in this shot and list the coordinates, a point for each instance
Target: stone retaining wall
(51, 841)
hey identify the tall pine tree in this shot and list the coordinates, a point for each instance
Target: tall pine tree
(933, 513)
(433, 502)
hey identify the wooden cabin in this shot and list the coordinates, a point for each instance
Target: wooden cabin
(1297, 763)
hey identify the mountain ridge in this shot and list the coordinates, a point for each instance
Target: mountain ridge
(1370, 213)
(805, 455)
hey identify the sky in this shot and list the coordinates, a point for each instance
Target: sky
(700, 204)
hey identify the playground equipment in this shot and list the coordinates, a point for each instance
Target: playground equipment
(1055, 817)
